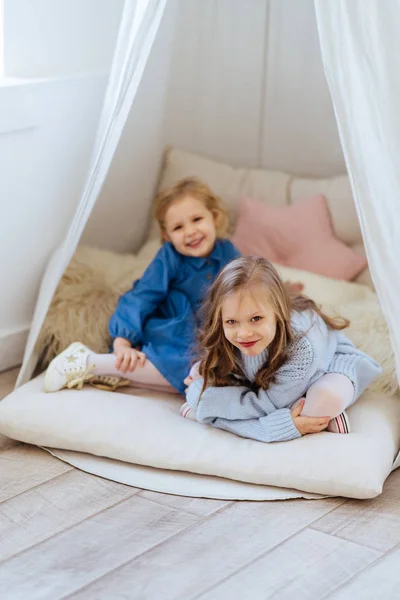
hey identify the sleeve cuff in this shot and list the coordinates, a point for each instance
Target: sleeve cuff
(359, 368)
(344, 364)
(280, 426)
(193, 393)
(131, 337)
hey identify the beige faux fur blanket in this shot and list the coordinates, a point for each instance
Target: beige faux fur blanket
(89, 290)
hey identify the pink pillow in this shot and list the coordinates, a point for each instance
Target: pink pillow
(298, 236)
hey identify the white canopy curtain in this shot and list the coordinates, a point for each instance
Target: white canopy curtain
(139, 25)
(360, 47)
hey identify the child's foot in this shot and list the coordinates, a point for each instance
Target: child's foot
(339, 424)
(69, 369)
(186, 412)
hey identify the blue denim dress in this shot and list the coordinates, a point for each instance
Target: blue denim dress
(160, 312)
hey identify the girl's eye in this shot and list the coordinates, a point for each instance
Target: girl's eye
(230, 322)
(197, 219)
(255, 319)
(177, 227)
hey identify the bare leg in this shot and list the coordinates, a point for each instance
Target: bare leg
(147, 376)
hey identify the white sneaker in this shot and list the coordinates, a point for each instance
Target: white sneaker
(69, 369)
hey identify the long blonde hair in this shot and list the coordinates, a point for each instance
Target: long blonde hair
(220, 360)
(191, 186)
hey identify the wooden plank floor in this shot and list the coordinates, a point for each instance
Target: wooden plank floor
(67, 534)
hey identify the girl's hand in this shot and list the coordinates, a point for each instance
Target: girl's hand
(128, 358)
(193, 374)
(307, 425)
(189, 379)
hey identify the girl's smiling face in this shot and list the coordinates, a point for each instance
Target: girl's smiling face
(248, 320)
(190, 227)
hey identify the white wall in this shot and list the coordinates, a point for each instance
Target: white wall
(216, 84)
(53, 38)
(249, 99)
(299, 127)
(44, 159)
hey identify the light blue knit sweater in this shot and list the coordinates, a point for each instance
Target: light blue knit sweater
(265, 415)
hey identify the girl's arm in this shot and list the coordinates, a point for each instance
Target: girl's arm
(218, 407)
(276, 427)
(281, 425)
(237, 402)
(240, 402)
(135, 306)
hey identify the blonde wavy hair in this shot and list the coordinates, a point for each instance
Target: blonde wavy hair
(220, 360)
(191, 186)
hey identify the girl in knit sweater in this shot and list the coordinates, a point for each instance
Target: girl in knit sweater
(274, 366)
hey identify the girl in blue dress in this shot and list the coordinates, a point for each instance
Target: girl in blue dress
(154, 325)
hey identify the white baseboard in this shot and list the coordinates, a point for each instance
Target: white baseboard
(12, 347)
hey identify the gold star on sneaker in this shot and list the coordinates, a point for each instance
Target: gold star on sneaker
(71, 359)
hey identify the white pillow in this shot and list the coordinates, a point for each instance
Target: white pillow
(231, 183)
(149, 431)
